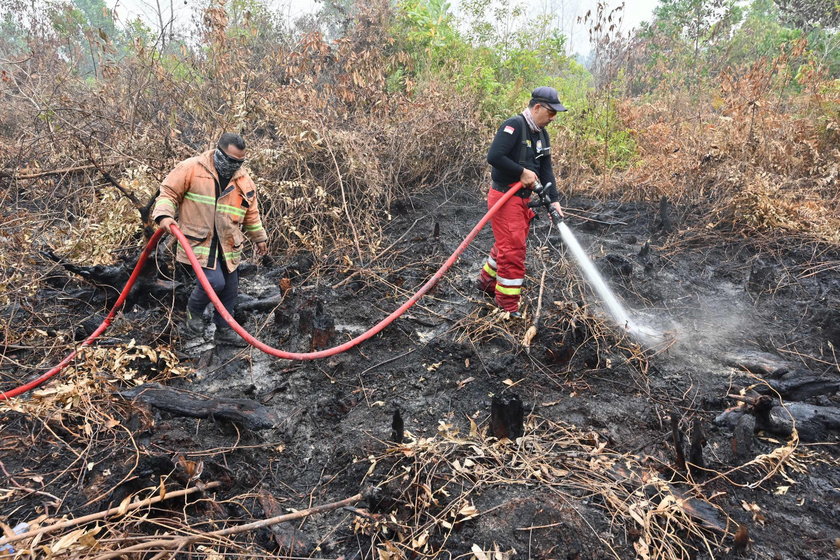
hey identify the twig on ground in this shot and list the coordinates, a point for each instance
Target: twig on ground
(119, 510)
(180, 542)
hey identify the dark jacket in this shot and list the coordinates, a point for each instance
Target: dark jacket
(506, 150)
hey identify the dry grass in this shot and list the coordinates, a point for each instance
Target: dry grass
(432, 484)
(748, 158)
(428, 488)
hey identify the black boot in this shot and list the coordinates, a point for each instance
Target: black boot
(193, 325)
(226, 336)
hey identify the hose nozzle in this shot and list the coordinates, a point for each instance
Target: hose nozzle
(540, 189)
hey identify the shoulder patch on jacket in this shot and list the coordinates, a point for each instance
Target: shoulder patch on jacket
(509, 129)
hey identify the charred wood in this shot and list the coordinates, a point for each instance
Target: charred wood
(699, 509)
(147, 475)
(666, 224)
(323, 328)
(742, 437)
(762, 278)
(812, 422)
(301, 265)
(507, 417)
(113, 278)
(800, 386)
(697, 440)
(397, 427)
(678, 440)
(760, 363)
(250, 304)
(290, 540)
(244, 412)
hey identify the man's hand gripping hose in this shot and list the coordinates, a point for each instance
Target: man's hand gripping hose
(542, 192)
(236, 326)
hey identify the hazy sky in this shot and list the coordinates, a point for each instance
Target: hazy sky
(567, 12)
(635, 12)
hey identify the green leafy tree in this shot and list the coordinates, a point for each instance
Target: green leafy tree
(87, 30)
(761, 35)
(497, 55)
(809, 14)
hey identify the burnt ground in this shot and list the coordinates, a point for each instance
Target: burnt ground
(601, 412)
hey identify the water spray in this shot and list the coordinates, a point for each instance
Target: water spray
(614, 308)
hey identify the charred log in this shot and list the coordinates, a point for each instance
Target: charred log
(699, 509)
(812, 422)
(113, 278)
(250, 304)
(507, 417)
(800, 386)
(760, 363)
(244, 412)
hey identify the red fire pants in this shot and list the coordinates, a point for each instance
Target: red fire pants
(504, 272)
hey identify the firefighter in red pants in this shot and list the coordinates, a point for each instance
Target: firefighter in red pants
(519, 152)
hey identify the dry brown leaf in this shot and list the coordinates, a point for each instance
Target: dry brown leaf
(478, 552)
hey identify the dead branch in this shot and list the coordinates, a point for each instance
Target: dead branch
(532, 330)
(119, 510)
(344, 202)
(144, 216)
(183, 541)
(11, 173)
(245, 412)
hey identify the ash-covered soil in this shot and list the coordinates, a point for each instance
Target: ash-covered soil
(747, 323)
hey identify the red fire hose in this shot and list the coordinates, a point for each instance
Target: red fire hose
(236, 326)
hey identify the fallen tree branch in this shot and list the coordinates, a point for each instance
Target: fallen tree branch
(180, 542)
(113, 511)
(11, 173)
(245, 412)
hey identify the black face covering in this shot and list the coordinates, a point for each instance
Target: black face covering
(226, 166)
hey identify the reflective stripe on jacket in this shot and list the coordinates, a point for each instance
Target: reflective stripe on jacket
(189, 192)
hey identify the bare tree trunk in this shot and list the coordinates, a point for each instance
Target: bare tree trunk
(162, 25)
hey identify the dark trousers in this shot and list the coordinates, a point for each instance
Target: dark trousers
(226, 286)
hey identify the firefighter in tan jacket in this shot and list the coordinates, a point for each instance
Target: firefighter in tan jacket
(213, 200)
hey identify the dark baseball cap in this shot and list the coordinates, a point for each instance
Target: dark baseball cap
(547, 96)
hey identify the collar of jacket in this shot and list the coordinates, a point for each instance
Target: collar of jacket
(206, 161)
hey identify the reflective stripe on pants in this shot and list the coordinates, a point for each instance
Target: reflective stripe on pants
(510, 229)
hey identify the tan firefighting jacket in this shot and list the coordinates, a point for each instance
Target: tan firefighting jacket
(189, 193)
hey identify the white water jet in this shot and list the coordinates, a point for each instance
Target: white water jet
(614, 307)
